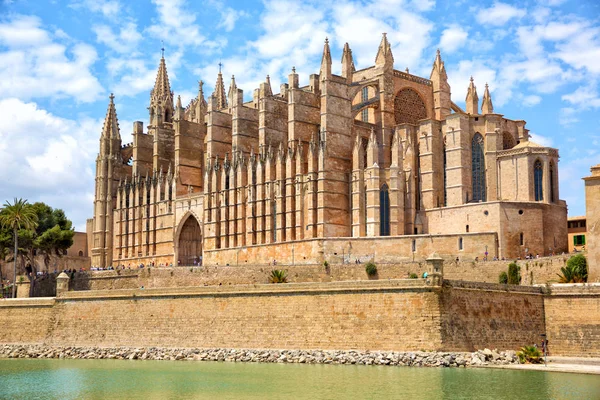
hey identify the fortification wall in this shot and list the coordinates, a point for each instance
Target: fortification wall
(377, 315)
(478, 315)
(533, 272)
(573, 320)
(25, 320)
(370, 315)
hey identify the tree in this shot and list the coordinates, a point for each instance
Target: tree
(19, 215)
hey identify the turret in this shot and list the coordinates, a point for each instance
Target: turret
(232, 90)
(486, 105)
(472, 101)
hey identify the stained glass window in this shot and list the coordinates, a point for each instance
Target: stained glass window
(384, 211)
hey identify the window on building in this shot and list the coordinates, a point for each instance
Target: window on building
(384, 211)
(538, 174)
(460, 243)
(552, 183)
(80, 253)
(579, 240)
(364, 115)
(364, 94)
(414, 245)
(521, 239)
(467, 228)
(445, 178)
(478, 168)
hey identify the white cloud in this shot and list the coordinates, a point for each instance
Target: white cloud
(108, 8)
(539, 139)
(499, 14)
(48, 158)
(34, 65)
(531, 100)
(585, 97)
(453, 38)
(125, 41)
(176, 24)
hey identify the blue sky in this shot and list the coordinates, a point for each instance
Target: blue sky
(60, 60)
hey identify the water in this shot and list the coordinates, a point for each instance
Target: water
(117, 379)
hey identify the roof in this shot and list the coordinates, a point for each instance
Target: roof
(526, 144)
(578, 218)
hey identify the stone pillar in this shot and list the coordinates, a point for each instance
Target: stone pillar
(62, 283)
(592, 206)
(436, 266)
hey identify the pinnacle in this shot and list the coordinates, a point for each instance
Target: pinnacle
(111, 122)
(219, 93)
(162, 88)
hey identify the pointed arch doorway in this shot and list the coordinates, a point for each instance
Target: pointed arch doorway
(189, 242)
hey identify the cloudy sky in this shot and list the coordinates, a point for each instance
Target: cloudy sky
(60, 60)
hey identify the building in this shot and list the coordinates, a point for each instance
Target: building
(370, 164)
(576, 230)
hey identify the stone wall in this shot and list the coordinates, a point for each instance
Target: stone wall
(25, 320)
(377, 315)
(534, 271)
(476, 316)
(573, 320)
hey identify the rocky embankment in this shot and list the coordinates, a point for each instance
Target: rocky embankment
(416, 359)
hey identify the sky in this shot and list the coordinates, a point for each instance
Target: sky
(61, 59)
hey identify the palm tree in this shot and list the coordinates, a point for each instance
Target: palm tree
(19, 215)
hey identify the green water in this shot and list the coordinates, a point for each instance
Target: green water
(116, 379)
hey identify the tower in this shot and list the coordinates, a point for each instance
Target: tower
(162, 113)
(108, 171)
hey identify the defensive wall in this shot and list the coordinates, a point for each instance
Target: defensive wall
(535, 271)
(377, 315)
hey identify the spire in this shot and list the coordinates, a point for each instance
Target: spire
(441, 88)
(268, 82)
(347, 63)
(232, 90)
(486, 105)
(265, 88)
(111, 123)
(325, 71)
(384, 53)
(219, 93)
(161, 97)
(472, 100)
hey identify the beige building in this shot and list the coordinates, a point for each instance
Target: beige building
(576, 229)
(370, 164)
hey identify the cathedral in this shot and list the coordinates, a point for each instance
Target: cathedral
(374, 164)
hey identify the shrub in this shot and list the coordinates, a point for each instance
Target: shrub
(278, 276)
(503, 277)
(514, 274)
(412, 275)
(530, 355)
(371, 269)
(576, 270)
(326, 264)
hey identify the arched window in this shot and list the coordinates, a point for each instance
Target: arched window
(364, 94)
(80, 253)
(384, 211)
(364, 115)
(552, 182)
(478, 168)
(538, 175)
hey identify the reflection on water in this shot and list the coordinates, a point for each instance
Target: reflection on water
(117, 379)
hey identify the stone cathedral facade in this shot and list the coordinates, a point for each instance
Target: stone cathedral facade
(370, 164)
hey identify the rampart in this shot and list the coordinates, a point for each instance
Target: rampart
(573, 320)
(533, 271)
(377, 315)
